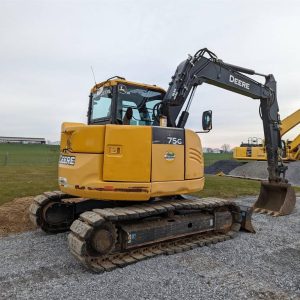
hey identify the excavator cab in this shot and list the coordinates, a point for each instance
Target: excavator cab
(118, 101)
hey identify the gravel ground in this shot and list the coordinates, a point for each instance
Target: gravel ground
(258, 169)
(265, 265)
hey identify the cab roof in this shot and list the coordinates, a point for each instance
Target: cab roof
(116, 80)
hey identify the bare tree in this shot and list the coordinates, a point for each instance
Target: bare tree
(225, 148)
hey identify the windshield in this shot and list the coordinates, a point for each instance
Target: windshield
(136, 105)
(101, 104)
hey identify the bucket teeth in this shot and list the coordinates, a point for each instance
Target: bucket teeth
(267, 212)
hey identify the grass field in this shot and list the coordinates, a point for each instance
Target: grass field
(28, 170)
(23, 155)
(210, 158)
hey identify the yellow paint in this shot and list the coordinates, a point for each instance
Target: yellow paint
(220, 174)
(164, 167)
(116, 81)
(290, 122)
(132, 162)
(258, 153)
(116, 162)
(87, 169)
(292, 147)
(83, 138)
(194, 165)
(176, 187)
(84, 180)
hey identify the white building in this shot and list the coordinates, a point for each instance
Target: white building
(21, 140)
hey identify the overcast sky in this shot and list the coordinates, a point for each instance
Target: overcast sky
(47, 48)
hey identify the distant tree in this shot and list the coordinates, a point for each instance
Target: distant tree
(225, 148)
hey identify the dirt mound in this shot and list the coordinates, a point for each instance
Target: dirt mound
(14, 216)
(258, 169)
(225, 166)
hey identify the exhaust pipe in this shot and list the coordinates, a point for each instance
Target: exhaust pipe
(275, 199)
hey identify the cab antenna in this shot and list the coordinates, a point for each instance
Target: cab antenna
(93, 75)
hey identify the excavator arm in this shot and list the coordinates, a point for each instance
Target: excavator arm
(287, 124)
(290, 122)
(198, 69)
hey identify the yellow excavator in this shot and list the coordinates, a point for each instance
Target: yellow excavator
(255, 149)
(125, 175)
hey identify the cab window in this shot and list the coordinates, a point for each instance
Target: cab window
(142, 102)
(101, 104)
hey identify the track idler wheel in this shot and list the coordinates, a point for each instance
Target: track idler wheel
(104, 238)
(275, 198)
(48, 212)
(57, 213)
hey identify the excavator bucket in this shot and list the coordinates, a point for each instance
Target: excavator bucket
(275, 198)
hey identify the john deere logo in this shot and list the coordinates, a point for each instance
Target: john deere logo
(170, 156)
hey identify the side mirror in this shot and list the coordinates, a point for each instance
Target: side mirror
(207, 120)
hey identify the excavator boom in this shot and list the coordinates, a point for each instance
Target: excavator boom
(292, 147)
(290, 122)
(199, 69)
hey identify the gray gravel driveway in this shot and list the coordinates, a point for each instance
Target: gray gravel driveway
(265, 265)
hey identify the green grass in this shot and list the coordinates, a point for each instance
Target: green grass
(227, 187)
(20, 181)
(20, 155)
(28, 170)
(210, 158)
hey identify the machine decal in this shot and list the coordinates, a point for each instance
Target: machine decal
(239, 82)
(249, 152)
(67, 160)
(122, 89)
(131, 237)
(170, 136)
(174, 140)
(169, 156)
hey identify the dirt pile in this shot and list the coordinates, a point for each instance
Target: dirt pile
(253, 169)
(258, 169)
(14, 216)
(225, 166)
